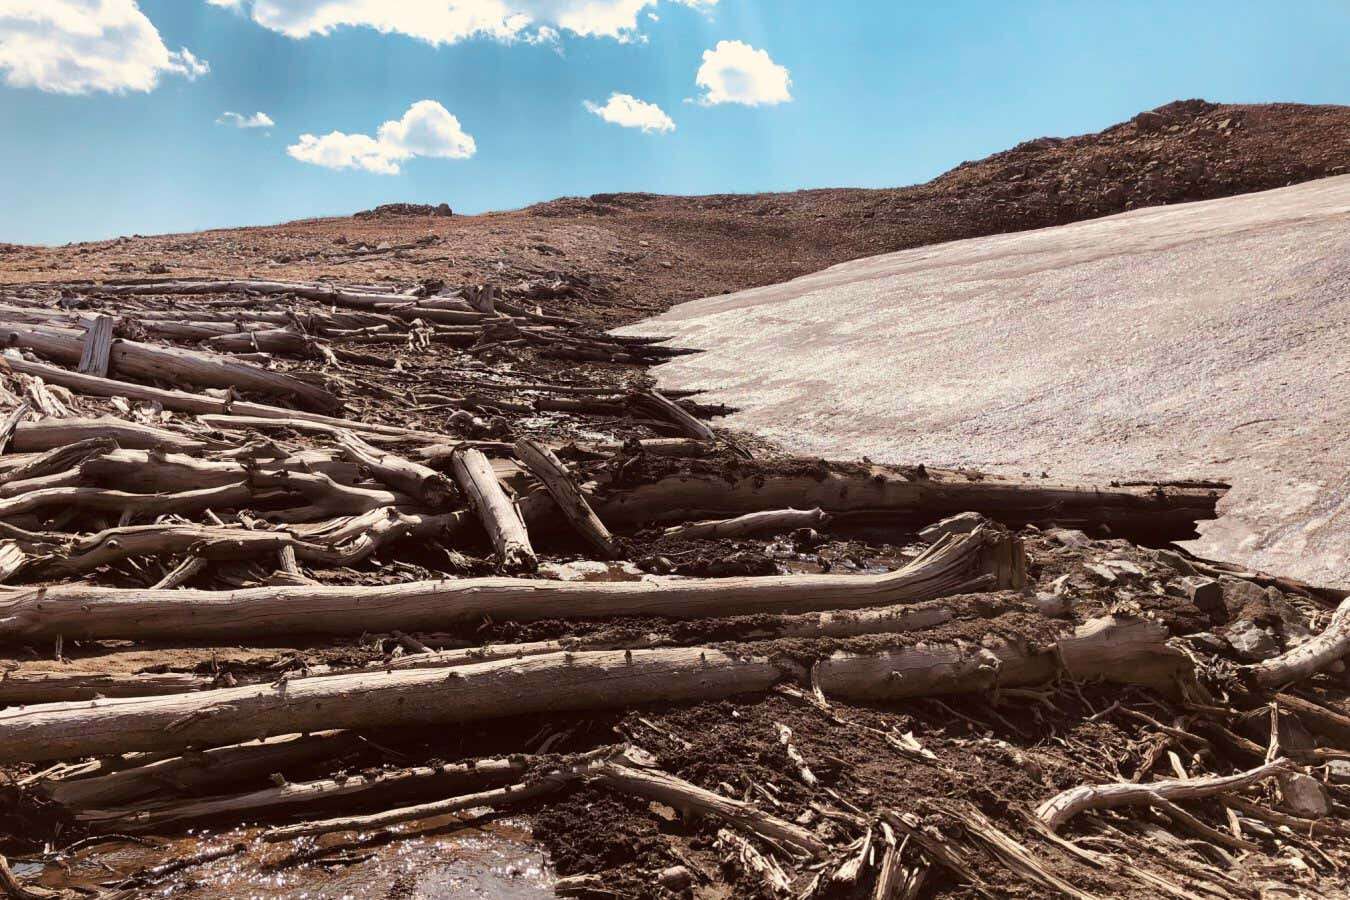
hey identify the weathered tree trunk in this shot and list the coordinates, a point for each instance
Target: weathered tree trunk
(499, 515)
(147, 472)
(423, 484)
(97, 346)
(655, 404)
(768, 522)
(51, 434)
(554, 475)
(207, 542)
(25, 687)
(1307, 658)
(897, 496)
(172, 364)
(78, 611)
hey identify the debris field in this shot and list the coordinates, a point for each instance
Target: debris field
(309, 570)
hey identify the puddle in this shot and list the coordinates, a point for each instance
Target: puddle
(495, 859)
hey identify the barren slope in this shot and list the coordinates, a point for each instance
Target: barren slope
(623, 256)
(1204, 340)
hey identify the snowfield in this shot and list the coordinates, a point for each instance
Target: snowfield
(1204, 340)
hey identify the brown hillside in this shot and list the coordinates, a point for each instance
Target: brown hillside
(623, 256)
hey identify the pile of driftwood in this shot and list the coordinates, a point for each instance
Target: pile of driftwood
(202, 462)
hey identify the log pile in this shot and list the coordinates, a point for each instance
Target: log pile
(494, 588)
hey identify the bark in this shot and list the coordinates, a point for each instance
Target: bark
(895, 496)
(1308, 658)
(196, 773)
(79, 611)
(172, 364)
(767, 522)
(52, 434)
(545, 466)
(500, 518)
(423, 484)
(1062, 807)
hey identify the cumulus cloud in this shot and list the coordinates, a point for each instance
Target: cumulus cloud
(630, 112)
(735, 72)
(83, 46)
(426, 129)
(450, 21)
(257, 120)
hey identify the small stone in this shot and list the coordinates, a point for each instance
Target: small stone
(1252, 642)
(1303, 796)
(1053, 604)
(1338, 770)
(1208, 641)
(676, 878)
(1205, 593)
(1175, 561)
(1069, 537)
(1102, 572)
(961, 523)
(1125, 567)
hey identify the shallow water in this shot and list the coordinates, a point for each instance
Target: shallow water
(483, 859)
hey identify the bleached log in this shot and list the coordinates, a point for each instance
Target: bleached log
(197, 772)
(423, 484)
(1308, 658)
(856, 494)
(51, 434)
(545, 466)
(287, 797)
(98, 341)
(172, 364)
(767, 522)
(60, 459)
(198, 404)
(1064, 806)
(369, 701)
(272, 340)
(11, 422)
(500, 518)
(144, 471)
(228, 496)
(658, 405)
(27, 687)
(93, 612)
(207, 542)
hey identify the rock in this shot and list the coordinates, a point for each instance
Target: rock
(1205, 593)
(676, 878)
(1124, 567)
(1303, 796)
(1069, 537)
(961, 523)
(1338, 770)
(1252, 642)
(1101, 572)
(1207, 641)
(1051, 604)
(1174, 561)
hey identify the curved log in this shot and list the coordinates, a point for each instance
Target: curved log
(93, 612)
(1308, 658)
(53, 434)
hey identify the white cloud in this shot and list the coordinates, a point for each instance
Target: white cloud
(426, 129)
(450, 21)
(82, 46)
(630, 112)
(257, 120)
(735, 72)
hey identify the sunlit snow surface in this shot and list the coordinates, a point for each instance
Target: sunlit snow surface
(1205, 340)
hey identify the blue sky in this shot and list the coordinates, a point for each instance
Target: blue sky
(116, 132)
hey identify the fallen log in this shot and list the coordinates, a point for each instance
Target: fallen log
(207, 542)
(653, 403)
(500, 517)
(80, 611)
(545, 466)
(60, 459)
(768, 522)
(230, 496)
(54, 434)
(856, 494)
(146, 472)
(1062, 807)
(285, 798)
(185, 401)
(27, 687)
(172, 364)
(423, 484)
(1308, 658)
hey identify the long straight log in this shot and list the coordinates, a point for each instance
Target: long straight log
(857, 494)
(500, 518)
(770, 521)
(186, 401)
(25, 687)
(94, 612)
(423, 484)
(173, 364)
(558, 682)
(51, 434)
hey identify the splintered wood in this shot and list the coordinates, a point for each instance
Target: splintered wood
(495, 571)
